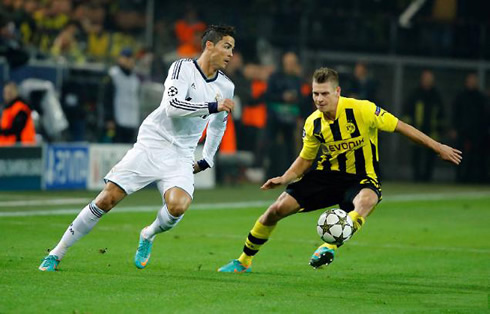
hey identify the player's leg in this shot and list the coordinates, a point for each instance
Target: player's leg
(364, 203)
(284, 206)
(84, 223)
(176, 201)
(360, 199)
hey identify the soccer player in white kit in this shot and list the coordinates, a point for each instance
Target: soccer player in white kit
(197, 93)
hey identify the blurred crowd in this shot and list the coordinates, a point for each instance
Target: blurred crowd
(273, 93)
(74, 30)
(97, 30)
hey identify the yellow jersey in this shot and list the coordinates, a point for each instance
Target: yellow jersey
(349, 143)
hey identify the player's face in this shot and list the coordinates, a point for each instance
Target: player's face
(325, 96)
(222, 52)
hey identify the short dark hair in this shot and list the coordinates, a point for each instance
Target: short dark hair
(323, 75)
(215, 33)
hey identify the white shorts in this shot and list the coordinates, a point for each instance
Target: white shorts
(142, 166)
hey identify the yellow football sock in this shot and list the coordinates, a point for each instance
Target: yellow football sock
(357, 219)
(245, 259)
(329, 246)
(256, 238)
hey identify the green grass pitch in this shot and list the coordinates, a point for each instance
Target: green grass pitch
(425, 249)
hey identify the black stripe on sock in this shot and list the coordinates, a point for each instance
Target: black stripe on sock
(94, 210)
(249, 251)
(255, 240)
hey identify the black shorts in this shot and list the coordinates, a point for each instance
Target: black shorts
(321, 189)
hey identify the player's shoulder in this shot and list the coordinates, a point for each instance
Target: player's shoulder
(183, 60)
(180, 65)
(356, 103)
(225, 78)
(312, 117)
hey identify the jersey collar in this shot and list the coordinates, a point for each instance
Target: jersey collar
(208, 80)
(340, 107)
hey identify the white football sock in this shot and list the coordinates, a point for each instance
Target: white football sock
(85, 221)
(164, 222)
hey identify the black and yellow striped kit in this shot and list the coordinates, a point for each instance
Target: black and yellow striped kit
(349, 143)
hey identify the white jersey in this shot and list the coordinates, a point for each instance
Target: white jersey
(189, 102)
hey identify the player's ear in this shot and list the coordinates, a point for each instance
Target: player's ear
(209, 44)
(338, 90)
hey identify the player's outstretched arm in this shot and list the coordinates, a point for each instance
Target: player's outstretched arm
(445, 152)
(299, 166)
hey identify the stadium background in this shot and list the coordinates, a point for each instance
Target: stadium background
(449, 38)
(424, 250)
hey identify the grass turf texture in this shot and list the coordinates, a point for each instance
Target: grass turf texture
(412, 256)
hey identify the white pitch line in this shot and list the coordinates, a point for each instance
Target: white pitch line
(37, 202)
(232, 205)
(436, 196)
(135, 209)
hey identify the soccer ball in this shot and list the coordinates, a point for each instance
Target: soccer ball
(335, 226)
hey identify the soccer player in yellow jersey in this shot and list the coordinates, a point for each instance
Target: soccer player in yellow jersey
(346, 172)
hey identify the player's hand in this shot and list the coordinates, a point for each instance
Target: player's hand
(226, 105)
(450, 154)
(273, 183)
(200, 165)
(196, 168)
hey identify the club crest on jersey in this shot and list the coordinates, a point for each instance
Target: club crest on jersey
(193, 85)
(378, 110)
(172, 91)
(351, 127)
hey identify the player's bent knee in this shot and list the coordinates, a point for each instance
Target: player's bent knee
(275, 212)
(365, 202)
(368, 202)
(177, 209)
(177, 201)
(105, 201)
(109, 197)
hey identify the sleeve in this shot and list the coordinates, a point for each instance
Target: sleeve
(378, 118)
(214, 135)
(310, 143)
(176, 87)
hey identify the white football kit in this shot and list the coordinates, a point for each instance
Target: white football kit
(167, 138)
